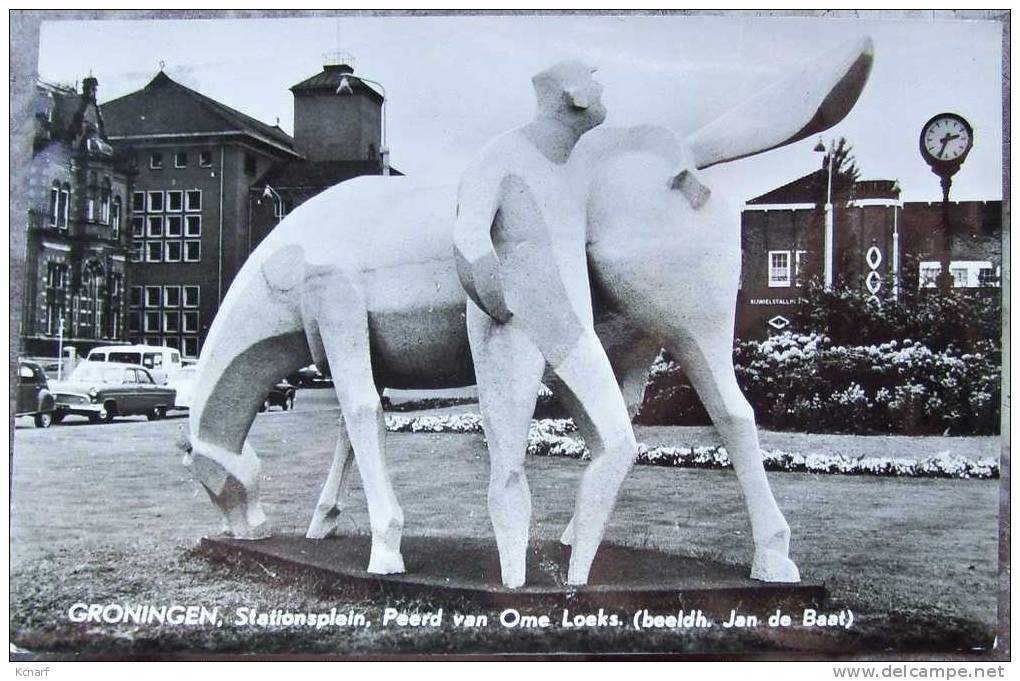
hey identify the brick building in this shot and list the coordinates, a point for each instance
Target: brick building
(338, 130)
(194, 162)
(74, 279)
(880, 244)
(199, 204)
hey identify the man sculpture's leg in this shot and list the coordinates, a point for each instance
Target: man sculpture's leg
(591, 394)
(508, 370)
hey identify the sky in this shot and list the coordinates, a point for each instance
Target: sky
(452, 83)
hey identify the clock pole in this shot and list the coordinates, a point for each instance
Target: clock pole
(945, 141)
(945, 281)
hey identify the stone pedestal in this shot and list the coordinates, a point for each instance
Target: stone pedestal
(621, 577)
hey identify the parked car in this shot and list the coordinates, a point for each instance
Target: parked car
(162, 362)
(307, 377)
(281, 395)
(33, 396)
(103, 390)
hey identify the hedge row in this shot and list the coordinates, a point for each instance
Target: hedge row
(549, 437)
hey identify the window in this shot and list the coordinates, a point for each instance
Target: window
(171, 296)
(155, 202)
(205, 159)
(56, 296)
(153, 295)
(156, 161)
(988, 276)
(65, 206)
(90, 209)
(175, 201)
(134, 322)
(138, 227)
(54, 203)
(193, 200)
(152, 322)
(251, 164)
(180, 160)
(779, 268)
(104, 202)
(798, 260)
(172, 342)
(959, 276)
(135, 299)
(192, 251)
(155, 226)
(115, 217)
(137, 202)
(173, 251)
(190, 346)
(193, 225)
(191, 296)
(965, 273)
(190, 322)
(172, 322)
(173, 226)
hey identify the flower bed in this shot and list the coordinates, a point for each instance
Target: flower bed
(549, 437)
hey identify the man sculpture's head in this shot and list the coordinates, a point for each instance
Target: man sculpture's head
(566, 91)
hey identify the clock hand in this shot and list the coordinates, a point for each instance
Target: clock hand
(945, 141)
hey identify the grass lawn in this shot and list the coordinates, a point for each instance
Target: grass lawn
(107, 514)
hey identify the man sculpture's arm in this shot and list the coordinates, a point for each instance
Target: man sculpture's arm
(477, 263)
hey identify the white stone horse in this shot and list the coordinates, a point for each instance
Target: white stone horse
(363, 277)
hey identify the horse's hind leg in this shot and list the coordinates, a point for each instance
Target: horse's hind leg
(707, 360)
(326, 516)
(343, 326)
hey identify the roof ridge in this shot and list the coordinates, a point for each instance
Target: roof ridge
(231, 115)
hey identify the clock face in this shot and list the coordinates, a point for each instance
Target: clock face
(946, 138)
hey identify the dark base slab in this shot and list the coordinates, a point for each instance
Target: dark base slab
(469, 568)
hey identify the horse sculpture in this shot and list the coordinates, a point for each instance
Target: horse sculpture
(363, 277)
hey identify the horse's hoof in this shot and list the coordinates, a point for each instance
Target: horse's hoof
(385, 561)
(323, 525)
(772, 566)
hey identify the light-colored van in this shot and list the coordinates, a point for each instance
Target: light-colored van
(162, 362)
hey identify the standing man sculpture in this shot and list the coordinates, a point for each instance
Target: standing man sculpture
(520, 239)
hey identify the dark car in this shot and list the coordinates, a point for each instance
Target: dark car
(103, 390)
(281, 395)
(34, 397)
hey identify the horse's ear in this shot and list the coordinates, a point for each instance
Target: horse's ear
(814, 98)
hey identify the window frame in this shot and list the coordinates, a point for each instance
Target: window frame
(149, 195)
(188, 207)
(774, 281)
(180, 159)
(184, 296)
(187, 248)
(155, 160)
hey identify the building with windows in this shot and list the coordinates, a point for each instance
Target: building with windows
(199, 204)
(75, 269)
(194, 161)
(879, 243)
(338, 130)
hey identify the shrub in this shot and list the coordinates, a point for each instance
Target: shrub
(927, 363)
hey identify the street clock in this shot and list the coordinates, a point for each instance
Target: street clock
(946, 139)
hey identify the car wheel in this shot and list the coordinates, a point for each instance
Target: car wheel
(58, 416)
(109, 411)
(265, 405)
(288, 403)
(43, 420)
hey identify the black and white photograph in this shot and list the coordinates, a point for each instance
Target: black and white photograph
(519, 335)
